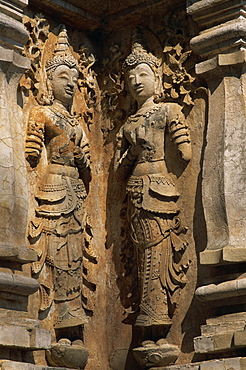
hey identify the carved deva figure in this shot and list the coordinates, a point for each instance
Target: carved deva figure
(152, 211)
(57, 232)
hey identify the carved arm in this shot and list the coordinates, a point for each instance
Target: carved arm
(82, 153)
(124, 157)
(179, 132)
(35, 136)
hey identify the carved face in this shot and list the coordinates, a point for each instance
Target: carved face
(142, 82)
(64, 82)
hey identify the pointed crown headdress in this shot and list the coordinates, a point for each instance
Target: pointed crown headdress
(62, 54)
(139, 53)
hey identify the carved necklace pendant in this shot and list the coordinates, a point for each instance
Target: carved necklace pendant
(62, 113)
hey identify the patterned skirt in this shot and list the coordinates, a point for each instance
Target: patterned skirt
(155, 230)
(56, 234)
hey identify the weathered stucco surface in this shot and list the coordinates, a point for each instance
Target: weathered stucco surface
(122, 185)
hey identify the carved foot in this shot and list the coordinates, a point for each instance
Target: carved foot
(156, 354)
(66, 354)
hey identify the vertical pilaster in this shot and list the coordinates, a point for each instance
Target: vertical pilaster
(13, 186)
(221, 43)
(18, 332)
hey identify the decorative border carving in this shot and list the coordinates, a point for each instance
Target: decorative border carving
(38, 31)
(87, 84)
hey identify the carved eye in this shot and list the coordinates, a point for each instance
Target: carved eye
(63, 76)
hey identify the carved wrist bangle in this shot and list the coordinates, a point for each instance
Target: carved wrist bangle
(181, 131)
(183, 140)
(181, 135)
(33, 150)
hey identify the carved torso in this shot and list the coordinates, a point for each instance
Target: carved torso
(60, 132)
(149, 126)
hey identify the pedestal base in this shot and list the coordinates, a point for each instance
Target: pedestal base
(69, 356)
(156, 354)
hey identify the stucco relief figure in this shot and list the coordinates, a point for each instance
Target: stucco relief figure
(57, 232)
(152, 211)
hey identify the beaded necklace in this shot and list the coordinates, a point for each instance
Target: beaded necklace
(135, 117)
(62, 113)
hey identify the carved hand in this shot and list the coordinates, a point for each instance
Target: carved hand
(80, 157)
(185, 150)
(138, 137)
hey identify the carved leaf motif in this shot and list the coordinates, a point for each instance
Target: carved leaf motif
(191, 79)
(113, 88)
(174, 93)
(181, 81)
(173, 61)
(167, 49)
(178, 83)
(88, 83)
(167, 85)
(183, 90)
(38, 30)
(178, 49)
(184, 56)
(167, 70)
(188, 100)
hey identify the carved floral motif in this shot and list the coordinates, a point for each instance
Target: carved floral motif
(87, 83)
(38, 30)
(178, 67)
(113, 88)
(177, 82)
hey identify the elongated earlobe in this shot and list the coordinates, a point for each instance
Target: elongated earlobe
(50, 91)
(158, 86)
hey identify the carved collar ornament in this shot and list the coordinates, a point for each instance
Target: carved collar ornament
(58, 109)
(62, 54)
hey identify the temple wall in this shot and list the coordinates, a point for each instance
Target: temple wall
(91, 243)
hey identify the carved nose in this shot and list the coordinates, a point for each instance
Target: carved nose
(137, 82)
(71, 84)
